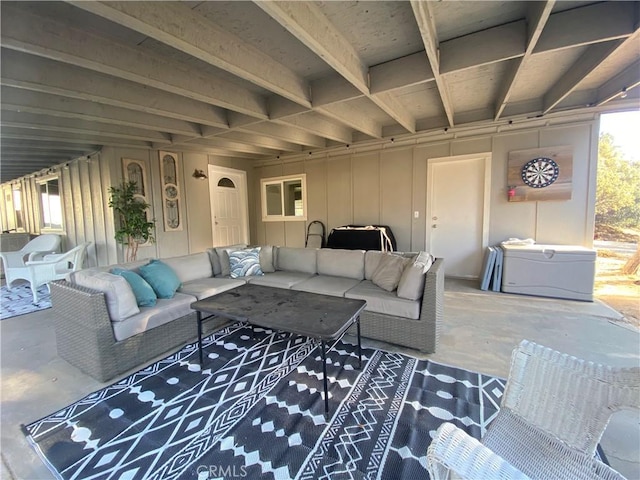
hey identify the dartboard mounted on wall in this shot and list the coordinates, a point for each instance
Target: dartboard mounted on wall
(540, 172)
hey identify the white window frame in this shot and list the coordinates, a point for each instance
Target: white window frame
(283, 217)
(43, 226)
(18, 213)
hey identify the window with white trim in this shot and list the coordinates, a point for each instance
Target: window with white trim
(284, 198)
(50, 194)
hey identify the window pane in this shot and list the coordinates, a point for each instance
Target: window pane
(51, 204)
(293, 198)
(274, 199)
(226, 182)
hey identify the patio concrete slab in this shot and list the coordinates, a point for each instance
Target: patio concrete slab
(479, 332)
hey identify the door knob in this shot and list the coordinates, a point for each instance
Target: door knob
(434, 226)
(434, 218)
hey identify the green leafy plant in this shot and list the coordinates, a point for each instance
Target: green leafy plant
(134, 227)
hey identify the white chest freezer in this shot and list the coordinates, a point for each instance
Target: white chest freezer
(560, 271)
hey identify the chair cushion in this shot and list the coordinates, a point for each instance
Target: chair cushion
(161, 277)
(382, 301)
(120, 300)
(326, 285)
(145, 296)
(280, 279)
(190, 267)
(244, 263)
(341, 263)
(411, 285)
(165, 311)
(389, 272)
(301, 260)
(207, 287)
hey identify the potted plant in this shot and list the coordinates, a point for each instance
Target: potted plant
(134, 228)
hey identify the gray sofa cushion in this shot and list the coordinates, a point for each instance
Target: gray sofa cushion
(297, 259)
(215, 261)
(411, 285)
(206, 287)
(120, 300)
(267, 259)
(163, 312)
(327, 285)
(341, 263)
(381, 301)
(191, 267)
(280, 279)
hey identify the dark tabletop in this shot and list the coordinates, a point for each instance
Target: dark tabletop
(302, 313)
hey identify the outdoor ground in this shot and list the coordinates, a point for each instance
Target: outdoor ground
(622, 292)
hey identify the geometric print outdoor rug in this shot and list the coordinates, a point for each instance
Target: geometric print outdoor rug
(256, 410)
(19, 300)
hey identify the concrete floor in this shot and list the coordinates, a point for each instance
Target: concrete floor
(480, 330)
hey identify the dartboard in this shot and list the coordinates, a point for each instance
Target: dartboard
(540, 172)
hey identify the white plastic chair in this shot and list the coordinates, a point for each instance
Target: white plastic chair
(53, 267)
(554, 411)
(14, 262)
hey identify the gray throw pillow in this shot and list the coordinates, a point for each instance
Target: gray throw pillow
(223, 256)
(411, 285)
(387, 275)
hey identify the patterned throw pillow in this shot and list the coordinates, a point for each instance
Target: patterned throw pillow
(245, 263)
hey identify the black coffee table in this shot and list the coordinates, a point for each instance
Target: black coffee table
(321, 317)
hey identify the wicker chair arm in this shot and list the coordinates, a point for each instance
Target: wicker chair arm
(452, 450)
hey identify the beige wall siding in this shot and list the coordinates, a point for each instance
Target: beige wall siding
(382, 184)
(387, 184)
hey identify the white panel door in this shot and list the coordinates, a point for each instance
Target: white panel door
(228, 191)
(457, 212)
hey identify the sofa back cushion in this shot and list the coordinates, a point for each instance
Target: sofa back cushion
(120, 300)
(268, 258)
(341, 263)
(191, 267)
(297, 259)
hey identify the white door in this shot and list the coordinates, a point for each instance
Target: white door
(458, 212)
(229, 206)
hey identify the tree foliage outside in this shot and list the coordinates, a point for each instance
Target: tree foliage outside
(618, 190)
(134, 227)
(618, 193)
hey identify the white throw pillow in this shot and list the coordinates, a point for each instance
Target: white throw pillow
(121, 302)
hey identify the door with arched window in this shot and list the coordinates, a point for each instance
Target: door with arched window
(229, 206)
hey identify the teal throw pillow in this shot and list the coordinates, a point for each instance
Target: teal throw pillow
(161, 277)
(145, 296)
(245, 263)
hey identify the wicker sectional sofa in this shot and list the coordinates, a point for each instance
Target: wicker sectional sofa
(91, 338)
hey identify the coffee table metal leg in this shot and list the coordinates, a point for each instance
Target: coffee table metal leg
(200, 336)
(359, 345)
(324, 378)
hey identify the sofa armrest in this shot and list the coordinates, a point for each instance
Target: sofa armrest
(431, 309)
(77, 308)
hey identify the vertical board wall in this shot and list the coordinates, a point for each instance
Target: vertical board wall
(387, 184)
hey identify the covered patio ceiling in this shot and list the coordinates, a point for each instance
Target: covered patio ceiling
(260, 79)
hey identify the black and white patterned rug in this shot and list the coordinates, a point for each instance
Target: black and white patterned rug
(19, 300)
(255, 410)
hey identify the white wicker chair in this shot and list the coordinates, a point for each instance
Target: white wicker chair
(554, 411)
(14, 262)
(53, 267)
